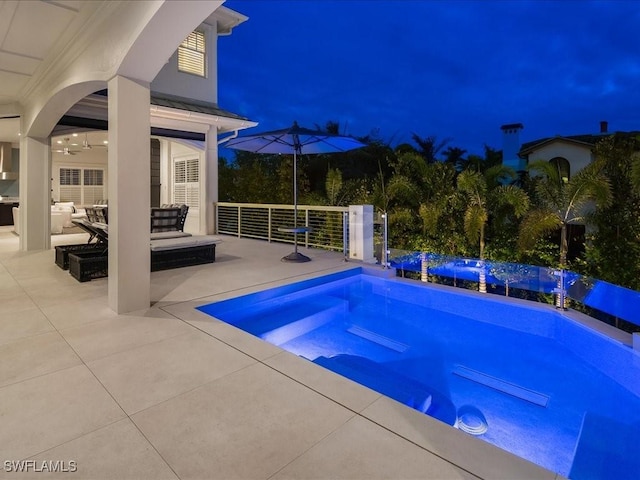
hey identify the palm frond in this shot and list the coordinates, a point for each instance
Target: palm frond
(430, 214)
(535, 225)
(402, 188)
(475, 216)
(473, 185)
(511, 196)
(498, 174)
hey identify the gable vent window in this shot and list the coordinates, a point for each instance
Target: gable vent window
(192, 55)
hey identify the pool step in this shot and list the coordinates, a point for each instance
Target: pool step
(317, 315)
(501, 385)
(391, 383)
(377, 338)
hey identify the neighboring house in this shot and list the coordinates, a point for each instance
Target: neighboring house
(145, 75)
(571, 153)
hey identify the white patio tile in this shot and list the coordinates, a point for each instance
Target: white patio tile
(33, 356)
(79, 312)
(24, 323)
(43, 412)
(249, 424)
(150, 374)
(363, 450)
(113, 335)
(341, 389)
(117, 451)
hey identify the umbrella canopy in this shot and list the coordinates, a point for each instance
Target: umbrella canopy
(295, 141)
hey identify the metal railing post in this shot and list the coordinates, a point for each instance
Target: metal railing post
(306, 224)
(345, 223)
(239, 221)
(424, 268)
(385, 242)
(560, 290)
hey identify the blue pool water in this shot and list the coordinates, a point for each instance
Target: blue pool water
(521, 376)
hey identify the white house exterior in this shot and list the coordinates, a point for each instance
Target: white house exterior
(55, 56)
(572, 153)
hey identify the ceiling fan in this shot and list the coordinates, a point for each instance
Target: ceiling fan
(87, 146)
(66, 149)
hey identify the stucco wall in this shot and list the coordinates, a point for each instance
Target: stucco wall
(578, 156)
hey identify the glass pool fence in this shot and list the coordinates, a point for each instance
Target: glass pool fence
(613, 304)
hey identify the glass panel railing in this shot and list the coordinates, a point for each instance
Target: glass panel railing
(613, 300)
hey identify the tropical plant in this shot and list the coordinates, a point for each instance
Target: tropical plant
(333, 186)
(429, 147)
(613, 247)
(561, 203)
(485, 193)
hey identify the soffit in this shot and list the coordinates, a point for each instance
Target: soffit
(225, 19)
(32, 35)
(168, 112)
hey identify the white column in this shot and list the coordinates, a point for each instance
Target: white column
(361, 233)
(129, 195)
(165, 172)
(211, 180)
(35, 194)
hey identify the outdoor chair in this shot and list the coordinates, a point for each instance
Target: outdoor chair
(168, 250)
(166, 219)
(95, 246)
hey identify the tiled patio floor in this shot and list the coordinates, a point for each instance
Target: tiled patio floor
(171, 393)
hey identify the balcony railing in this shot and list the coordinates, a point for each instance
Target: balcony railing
(328, 226)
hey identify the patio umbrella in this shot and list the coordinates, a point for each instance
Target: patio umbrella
(295, 141)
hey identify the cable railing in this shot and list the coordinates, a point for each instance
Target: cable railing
(327, 226)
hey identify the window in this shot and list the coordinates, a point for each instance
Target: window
(192, 55)
(186, 182)
(82, 186)
(69, 176)
(563, 166)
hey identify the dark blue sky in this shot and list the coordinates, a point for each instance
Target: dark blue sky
(452, 69)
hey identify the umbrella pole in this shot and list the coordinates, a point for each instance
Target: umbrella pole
(295, 256)
(295, 202)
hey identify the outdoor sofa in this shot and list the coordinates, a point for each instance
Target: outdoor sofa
(168, 249)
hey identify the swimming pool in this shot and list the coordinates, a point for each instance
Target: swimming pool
(522, 376)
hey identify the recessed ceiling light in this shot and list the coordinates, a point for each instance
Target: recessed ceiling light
(105, 141)
(74, 134)
(59, 142)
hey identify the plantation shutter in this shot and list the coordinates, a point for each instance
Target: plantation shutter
(70, 188)
(81, 186)
(186, 188)
(192, 55)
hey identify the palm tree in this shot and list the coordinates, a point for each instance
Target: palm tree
(485, 193)
(561, 203)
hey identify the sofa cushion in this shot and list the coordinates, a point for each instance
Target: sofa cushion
(164, 235)
(183, 242)
(64, 207)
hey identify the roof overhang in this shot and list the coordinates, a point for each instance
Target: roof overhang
(548, 141)
(171, 113)
(225, 20)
